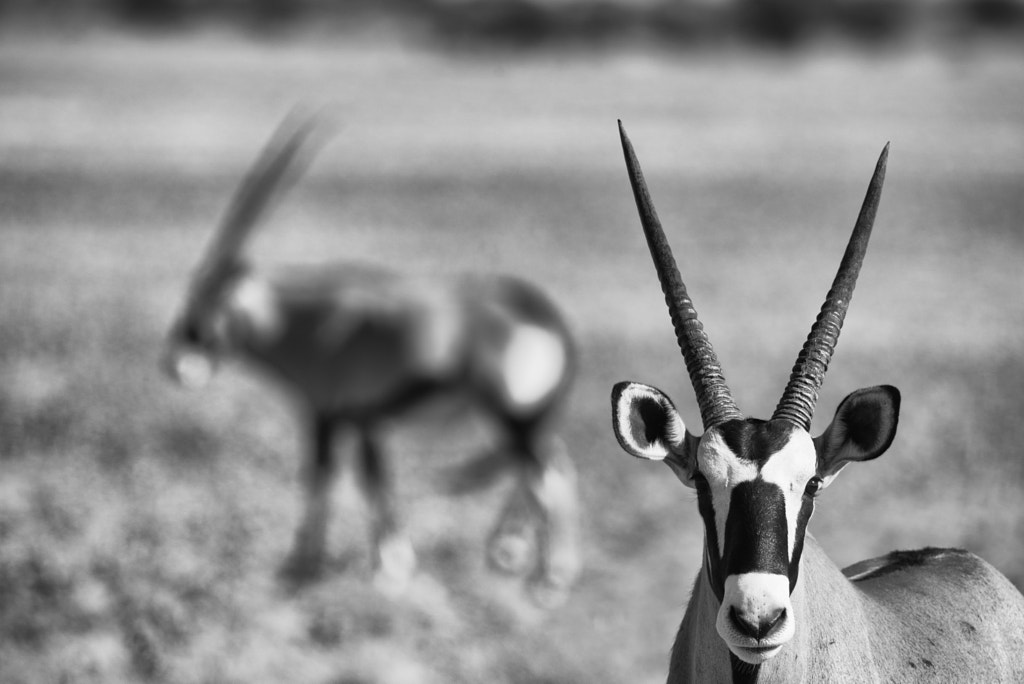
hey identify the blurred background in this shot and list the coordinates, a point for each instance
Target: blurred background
(142, 526)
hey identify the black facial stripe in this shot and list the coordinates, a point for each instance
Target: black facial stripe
(756, 530)
(806, 508)
(755, 440)
(707, 513)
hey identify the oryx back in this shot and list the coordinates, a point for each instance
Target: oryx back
(351, 341)
(358, 341)
(942, 611)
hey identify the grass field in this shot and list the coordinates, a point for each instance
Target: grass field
(141, 526)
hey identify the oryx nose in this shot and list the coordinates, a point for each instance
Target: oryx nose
(759, 626)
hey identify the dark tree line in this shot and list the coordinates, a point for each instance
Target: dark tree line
(527, 23)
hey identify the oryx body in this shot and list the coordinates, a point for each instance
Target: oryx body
(362, 343)
(768, 605)
(941, 615)
(356, 345)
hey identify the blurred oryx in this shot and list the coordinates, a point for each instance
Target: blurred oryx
(768, 604)
(356, 345)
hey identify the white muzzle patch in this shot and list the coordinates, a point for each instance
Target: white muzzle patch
(190, 368)
(756, 597)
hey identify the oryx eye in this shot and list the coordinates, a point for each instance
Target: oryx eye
(813, 485)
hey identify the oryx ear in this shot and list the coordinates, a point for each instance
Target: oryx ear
(648, 426)
(863, 428)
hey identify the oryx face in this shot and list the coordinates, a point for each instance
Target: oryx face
(201, 335)
(222, 285)
(755, 479)
(755, 482)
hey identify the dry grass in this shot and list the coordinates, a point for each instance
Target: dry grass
(141, 527)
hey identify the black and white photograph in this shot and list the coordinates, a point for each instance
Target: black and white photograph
(340, 341)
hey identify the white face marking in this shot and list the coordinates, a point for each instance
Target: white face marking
(532, 365)
(720, 465)
(790, 468)
(723, 470)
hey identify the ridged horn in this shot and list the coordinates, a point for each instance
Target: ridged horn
(713, 395)
(801, 394)
(279, 162)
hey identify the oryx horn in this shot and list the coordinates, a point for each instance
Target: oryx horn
(801, 394)
(713, 395)
(279, 161)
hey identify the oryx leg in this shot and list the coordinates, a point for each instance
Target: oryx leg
(551, 482)
(546, 486)
(307, 557)
(511, 546)
(394, 560)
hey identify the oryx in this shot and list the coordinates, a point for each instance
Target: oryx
(768, 605)
(355, 345)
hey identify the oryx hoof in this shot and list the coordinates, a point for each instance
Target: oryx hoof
(511, 553)
(548, 593)
(551, 583)
(395, 567)
(302, 568)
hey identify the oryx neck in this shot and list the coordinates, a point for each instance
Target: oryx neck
(831, 641)
(699, 655)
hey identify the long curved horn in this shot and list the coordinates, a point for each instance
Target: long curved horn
(713, 395)
(801, 394)
(278, 162)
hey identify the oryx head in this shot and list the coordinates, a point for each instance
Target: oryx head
(755, 480)
(202, 332)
